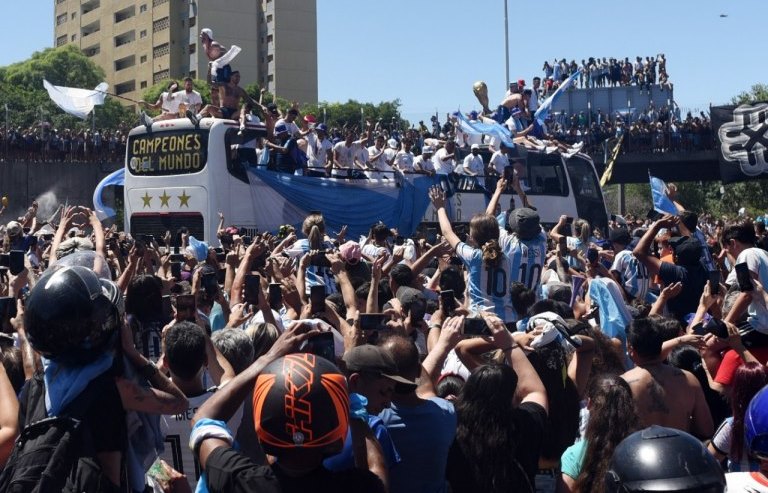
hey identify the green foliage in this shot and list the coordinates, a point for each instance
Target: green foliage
(759, 92)
(21, 88)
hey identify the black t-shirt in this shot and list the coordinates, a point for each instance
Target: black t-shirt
(693, 278)
(231, 472)
(529, 420)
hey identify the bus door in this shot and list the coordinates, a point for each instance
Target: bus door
(586, 188)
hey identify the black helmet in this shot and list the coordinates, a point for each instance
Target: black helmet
(663, 459)
(301, 401)
(71, 317)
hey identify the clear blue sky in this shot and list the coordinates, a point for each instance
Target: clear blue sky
(429, 52)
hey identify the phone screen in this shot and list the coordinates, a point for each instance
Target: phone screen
(569, 220)
(7, 310)
(448, 301)
(475, 327)
(16, 262)
(431, 236)
(562, 245)
(176, 270)
(252, 288)
(317, 299)
(275, 294)
(5, 260)
(714, 282)
(373, 321)
(743, 277)
(167, 310)
(208, 281)
(185, 307)
(322, 345)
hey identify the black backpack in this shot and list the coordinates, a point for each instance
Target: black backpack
(53, 454)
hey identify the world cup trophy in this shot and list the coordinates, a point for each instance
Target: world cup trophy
(481, 93)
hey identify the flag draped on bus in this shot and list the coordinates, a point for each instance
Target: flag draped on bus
(75, 101)
(116, 178)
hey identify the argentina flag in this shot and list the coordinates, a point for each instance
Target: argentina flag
(543, 111)
(499, 132)
(661, 203)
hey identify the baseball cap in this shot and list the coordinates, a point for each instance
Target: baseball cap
(13, 228)
(473, 115)
(687, 250)
(620, 235)
(427, 150)
(280, 128)
(207, 32)
(321, 127)
(414, 301)
(272, 107)
(524, 222)
(521, 82)
(392, 143)
(368, 358)
(350, 252)
(474, 146)
(310, 118)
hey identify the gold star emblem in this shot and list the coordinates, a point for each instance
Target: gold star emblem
(164, 198)
(184, 199)
(147, 199)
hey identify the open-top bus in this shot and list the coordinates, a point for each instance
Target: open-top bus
(180, 174)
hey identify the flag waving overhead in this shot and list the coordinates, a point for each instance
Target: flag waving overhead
(495, 130)
(543, 111)
(77, 102)
(661, 203)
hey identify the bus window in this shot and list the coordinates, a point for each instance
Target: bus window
(546, 175)
(242, 151)
(175, 152)
(583, 178)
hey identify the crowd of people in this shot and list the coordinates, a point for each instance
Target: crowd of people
(608, 72)
(501, 357)
(45, 143)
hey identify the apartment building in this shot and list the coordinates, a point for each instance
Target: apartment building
(141, 42)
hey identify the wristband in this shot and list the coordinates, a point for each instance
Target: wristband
(209, 428)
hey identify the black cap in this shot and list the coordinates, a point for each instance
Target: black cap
(687, 250)
(373, 359)
(620, 235)
(524, 222)
(413, 301)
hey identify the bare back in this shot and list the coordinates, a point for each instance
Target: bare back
(215, 50)
(667, 396)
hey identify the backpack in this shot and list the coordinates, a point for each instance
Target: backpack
(51, 454)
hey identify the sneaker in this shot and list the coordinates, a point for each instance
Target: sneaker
(550, 149)
(145, 120)
(192, 117)
(577, 146)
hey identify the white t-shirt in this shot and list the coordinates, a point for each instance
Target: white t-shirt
(404, 161)
(757, 261)
(317, 150)
(442, 165)
(189, 98)
(472, 164)
(176, 430)
(344, 155)
(419, 163)
(379, 163)
(474, 138)
(499, 161)
(170, 102)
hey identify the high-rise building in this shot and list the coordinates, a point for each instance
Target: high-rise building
(141, 42)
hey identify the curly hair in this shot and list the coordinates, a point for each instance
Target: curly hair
(485, 432)
(612, 418)
(748, 379)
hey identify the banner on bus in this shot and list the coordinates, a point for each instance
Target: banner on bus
(742, 141)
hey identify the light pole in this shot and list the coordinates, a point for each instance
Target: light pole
(506, 41)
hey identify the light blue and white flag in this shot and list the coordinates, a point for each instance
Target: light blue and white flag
(75, 101)
(495, 130)
(543, 111)
(661, 202)
(115, 178)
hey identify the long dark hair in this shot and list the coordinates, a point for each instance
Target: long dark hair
(485, 431)
(748, 379)
(612, 417)
(144, 298)
(484, 229)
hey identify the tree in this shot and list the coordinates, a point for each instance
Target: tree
(759, 92)
(21, 87)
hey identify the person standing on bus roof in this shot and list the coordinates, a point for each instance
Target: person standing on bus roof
(167, 103)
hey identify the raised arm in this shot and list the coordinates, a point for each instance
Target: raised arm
(437, 195)
(642, 250)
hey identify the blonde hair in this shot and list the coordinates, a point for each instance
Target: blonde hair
(314, 228)
(583, 228)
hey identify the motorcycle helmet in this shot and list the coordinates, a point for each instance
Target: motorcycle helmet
(301, 401)
(663, 459)
(71, 317)
(756, 425)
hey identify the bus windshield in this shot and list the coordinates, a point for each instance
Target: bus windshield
(175, 152)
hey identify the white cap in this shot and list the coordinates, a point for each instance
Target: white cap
(392, 143)
(474, 146)
(207, 32)
(427, 150)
